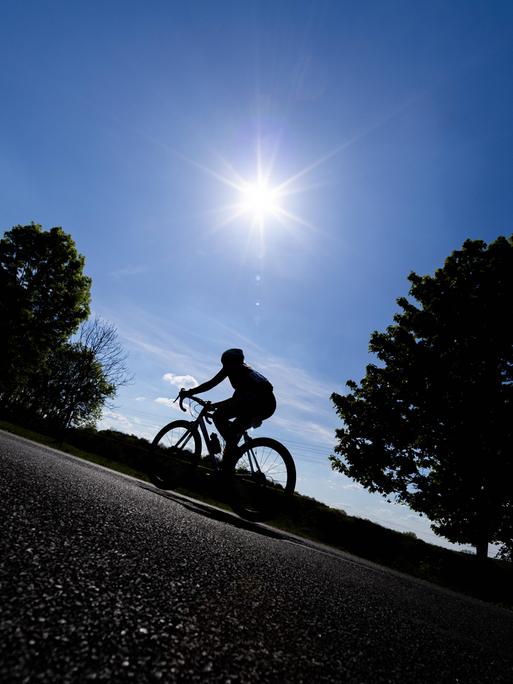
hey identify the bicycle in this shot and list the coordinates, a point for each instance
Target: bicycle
(258, 477)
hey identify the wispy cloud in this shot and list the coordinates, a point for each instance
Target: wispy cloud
(169, 403)
(304, 410)
(309, 431)
(352, 486)
(128, 271)
(179, 351)
(142, 427)
(114, 418)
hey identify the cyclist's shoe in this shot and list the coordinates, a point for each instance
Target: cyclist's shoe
(229, 450)
(220, 482)
(229, 453)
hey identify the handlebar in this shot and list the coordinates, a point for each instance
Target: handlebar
(199, 401)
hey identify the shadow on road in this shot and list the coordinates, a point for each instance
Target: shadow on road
(217, 513)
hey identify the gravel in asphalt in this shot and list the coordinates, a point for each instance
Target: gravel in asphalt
(102, 578)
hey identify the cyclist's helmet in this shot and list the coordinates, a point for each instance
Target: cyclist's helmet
(232, 357)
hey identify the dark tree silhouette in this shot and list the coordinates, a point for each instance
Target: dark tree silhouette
(72, 389)
(431, 425)
(80, 377)
(45, 296)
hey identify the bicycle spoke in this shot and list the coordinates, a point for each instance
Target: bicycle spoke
(267, 462)
(176, 439)
(264, 477)
(175, 450)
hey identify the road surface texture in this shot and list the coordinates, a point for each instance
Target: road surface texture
(104, 578)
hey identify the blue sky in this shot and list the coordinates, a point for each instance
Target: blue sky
(386, 124)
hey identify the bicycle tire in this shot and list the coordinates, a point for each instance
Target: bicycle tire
(261, 495)
(167, 463)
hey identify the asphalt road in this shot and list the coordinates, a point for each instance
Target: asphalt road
(105, 579)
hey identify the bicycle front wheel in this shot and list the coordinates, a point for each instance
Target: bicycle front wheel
(262, 479)
(175, 450)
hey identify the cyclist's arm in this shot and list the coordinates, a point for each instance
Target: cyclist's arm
(206, 386)
(218, 404)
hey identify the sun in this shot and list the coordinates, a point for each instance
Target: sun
(259, 199)
(259, 202)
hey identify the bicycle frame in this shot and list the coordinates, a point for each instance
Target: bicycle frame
(200, 422)
(256, 473)
(251, 456)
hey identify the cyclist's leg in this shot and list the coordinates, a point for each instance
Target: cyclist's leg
(255, 409)
(252, 409)
(239, 413)
(266, 406)
(222, 418)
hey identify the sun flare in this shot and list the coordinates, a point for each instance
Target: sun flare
(261, 203)
(259, 199)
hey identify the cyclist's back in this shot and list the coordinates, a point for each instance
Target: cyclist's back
(244, 377)
(252, 402)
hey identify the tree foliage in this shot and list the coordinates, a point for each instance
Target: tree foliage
(72, 390)
(45, 296)
(45, 371)
(431, 424)
(80, 377)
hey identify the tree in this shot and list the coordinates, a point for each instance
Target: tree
(45, 296)
(72, 390)
(431, 425)
(80, 377)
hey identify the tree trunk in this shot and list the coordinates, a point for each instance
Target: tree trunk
(484, 515)
(482, 548)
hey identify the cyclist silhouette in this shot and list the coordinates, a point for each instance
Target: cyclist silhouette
(252, 402)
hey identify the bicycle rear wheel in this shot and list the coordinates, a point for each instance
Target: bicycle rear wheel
(175, 451)
(262, 479)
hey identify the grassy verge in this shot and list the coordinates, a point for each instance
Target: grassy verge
(306, 517)
(50, 441)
